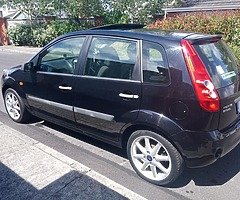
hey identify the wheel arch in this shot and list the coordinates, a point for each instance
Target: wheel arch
(154, 122)
(4, 88)
(10, 83)
(13, 85)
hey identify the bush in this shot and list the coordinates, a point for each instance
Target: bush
(227, 24)
(39, 34)
(21, 35)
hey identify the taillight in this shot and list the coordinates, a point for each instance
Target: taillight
(206, 92)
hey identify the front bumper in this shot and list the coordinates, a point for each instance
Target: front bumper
(203, 148)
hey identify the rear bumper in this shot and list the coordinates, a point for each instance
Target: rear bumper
(203, 148)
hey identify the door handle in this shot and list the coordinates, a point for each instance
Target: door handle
(64, 87)
(129, 96)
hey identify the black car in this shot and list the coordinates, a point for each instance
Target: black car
(170, 98)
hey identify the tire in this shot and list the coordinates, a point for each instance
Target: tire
(154, 158)
(15, 107)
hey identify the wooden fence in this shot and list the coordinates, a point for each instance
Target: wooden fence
(4, 40)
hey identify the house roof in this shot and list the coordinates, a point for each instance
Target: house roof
(206, 5)
(10, 15)
(18, 15)
(190, 3)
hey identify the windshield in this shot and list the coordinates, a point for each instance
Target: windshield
(219, 62)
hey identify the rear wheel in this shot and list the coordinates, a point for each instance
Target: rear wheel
(15, 107)
(154, 158)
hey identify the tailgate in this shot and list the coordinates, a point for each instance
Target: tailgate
(230, 105)
(223, 70)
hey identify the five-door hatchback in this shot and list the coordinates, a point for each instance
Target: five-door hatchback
(171, 99)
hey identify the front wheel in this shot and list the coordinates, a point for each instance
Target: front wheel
(154, 158)
(15, 107)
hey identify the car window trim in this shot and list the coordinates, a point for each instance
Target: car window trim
(106, 78)
(83, 55)
(54, 73)
(141, 59)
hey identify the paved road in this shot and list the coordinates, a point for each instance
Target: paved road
(9, 59)
(218, 181)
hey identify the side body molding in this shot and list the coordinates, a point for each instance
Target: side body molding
(94, 114)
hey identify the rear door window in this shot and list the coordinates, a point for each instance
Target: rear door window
(111, 58)
(219, 61)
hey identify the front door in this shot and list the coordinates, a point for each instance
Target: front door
(51, 89)
(108, 89)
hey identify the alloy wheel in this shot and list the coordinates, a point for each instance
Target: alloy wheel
(13, 106)
(151, 158)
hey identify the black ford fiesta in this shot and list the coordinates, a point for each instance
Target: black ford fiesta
(170, 99)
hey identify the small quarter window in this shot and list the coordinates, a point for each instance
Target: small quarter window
(111, 58)
(61, 57)
(155, 69)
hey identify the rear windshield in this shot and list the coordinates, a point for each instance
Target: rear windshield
(219, 61)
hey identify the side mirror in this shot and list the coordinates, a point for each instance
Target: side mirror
(29, 67)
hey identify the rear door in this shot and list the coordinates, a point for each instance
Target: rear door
(156, 78)
(108, 89)
(223, 69)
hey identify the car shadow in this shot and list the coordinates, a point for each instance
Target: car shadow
(219, 173)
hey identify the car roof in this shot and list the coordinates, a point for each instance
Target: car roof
(142, 33)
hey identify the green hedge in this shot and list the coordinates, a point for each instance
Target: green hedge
(227, 24)
(39, 34)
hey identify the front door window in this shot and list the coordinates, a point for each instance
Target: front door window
(61, 57)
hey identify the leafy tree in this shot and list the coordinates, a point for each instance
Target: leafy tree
(32, 9)
(71, 8)
(75, 9)
(132, 11)
(114, 11)
(1, 2)
(78, 8)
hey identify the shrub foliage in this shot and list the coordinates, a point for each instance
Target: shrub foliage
(39, 34)
(226, 24)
